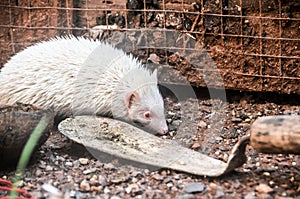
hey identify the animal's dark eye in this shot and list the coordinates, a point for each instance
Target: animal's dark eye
(147, 114)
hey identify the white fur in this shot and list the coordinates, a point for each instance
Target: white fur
(77, 75)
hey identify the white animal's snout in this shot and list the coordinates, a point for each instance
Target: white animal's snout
(164, 131)
(164, 128)
(158, 123)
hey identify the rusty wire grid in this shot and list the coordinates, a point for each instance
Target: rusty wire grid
(255, 43)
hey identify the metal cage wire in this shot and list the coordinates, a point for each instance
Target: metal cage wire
(255, 44)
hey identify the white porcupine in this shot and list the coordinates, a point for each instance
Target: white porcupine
(81, 76)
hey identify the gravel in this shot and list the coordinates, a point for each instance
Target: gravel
(67, 169)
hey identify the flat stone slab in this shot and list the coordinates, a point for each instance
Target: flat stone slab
(127, 142)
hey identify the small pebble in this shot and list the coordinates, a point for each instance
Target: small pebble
(196, 145)
(128, 189)
(271, 183)
(177, 106)
(171, 113)
(95, 177)
(185, 196)
(248, 120)
(69, 178)
(284, 194)
(109, 166)
(193, 188)
(216, 190)
(76, 164)
(38, 173)
(19, 183)
(154, 58)
(93, 181)
(55, 183)
(176, 122)
(83, 161)
(69, 164)
(237, 120)
(223, 148)
(85, 186)
(157, 177)
(30, 186)
(106, 190)
(102, 180)
(60, 158)
(172, 127)
(164, 173)
(134, 180)
(72, 194)
(115, 197)
(146, 171)
(233, 113)
(202, 124)
(250, 195)
(172, 133)
(88, 171)
(225, 157)
(49, 168)
(176, 177)
(43, 162)
(263, 188)
(96, 188)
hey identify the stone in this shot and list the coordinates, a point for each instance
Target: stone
(193, 188)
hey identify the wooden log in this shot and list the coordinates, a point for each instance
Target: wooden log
(17, 123)
(276, 134)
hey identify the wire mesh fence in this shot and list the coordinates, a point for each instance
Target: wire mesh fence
(255, 43)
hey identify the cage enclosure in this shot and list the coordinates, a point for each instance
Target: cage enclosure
(254, 44)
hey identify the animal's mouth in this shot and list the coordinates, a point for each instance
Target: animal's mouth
(138, 123)
(146, 127)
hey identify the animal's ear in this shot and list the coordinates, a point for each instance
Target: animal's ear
(132, 98)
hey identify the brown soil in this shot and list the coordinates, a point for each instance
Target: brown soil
(213, 129)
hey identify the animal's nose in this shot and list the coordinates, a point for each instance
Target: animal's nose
(164, 130)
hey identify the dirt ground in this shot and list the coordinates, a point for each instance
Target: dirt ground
(70, 167)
